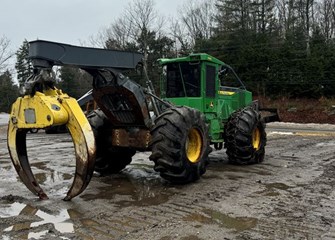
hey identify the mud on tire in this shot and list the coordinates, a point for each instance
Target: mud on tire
(180, 145)
(109, 159)
(245, 137)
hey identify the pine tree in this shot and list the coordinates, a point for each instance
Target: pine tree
(23, 65)
(74, 81)
(8, 91)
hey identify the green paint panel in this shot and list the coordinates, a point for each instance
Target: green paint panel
(205, 83)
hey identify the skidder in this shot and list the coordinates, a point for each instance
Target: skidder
(202, 103)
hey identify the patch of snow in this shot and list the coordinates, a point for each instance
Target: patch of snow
(280, 133)
(4, 117)
(326, 144)
(330, 127)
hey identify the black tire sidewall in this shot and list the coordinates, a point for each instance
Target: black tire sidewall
(236, 129)
(179, 120)
(199, 166)
(109, 159)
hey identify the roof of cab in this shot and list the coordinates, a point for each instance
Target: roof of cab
(194, 57)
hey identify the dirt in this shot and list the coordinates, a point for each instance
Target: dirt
(302, 110)
(290, 195)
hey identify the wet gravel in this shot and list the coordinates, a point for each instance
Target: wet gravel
(290, 195)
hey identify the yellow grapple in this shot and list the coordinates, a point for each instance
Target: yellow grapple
(44, 109)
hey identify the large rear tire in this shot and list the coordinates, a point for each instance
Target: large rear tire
(180, 145)
(245, 137)
(109, 159)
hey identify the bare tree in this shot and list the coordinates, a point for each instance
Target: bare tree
(120, 32)
(181, 38)
(141, 16)
(196, 21)
(281, 12)
(326, 18)
(198, 18)
(262, 16)
(116, 36)
(138, 21)
(286, 15)
(305, 9)
(5, 54)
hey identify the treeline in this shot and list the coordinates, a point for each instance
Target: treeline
(8, 90)
(277, 47)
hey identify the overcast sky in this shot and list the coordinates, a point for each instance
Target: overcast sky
(67, 21)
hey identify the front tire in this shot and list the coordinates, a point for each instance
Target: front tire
(245, 137)
(109, 159)
(180, 145)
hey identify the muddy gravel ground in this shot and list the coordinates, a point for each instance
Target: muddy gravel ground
(291, 195)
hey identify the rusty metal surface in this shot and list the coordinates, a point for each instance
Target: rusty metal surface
(135, 138)
(121, 106)
(122, 100)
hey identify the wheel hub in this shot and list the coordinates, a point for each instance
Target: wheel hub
(256, 139)
(193, 145)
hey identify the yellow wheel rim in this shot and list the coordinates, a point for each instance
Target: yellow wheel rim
(256, 139)
(193, 145)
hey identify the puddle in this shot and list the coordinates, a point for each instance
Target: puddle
(270, 193)
(11, 210)
(67, 176)
(214, 217)
(271, 189)
(37, 235)
(49, 176)
(61, 221)
(98, 228)
(280, 186)
(39, 165)
(137, 185)
(133, 192)
(52, 177)
(233, 177)
(41, 177)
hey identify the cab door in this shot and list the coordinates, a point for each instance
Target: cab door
(211, 103)
(210, 77)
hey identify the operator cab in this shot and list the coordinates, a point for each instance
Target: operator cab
(182, 77)
(199, 81)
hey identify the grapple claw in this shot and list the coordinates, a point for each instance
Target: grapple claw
(40, 111)
(84, 145)
(18, 153)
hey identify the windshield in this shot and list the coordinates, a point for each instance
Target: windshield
(229, 79)
(183, 80)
